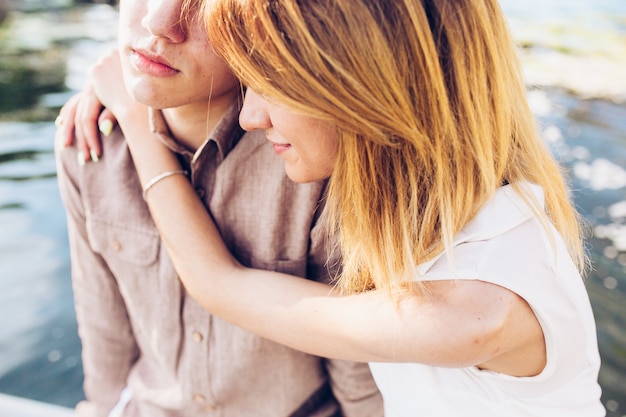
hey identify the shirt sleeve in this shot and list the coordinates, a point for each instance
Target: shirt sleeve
(108, 345)
(351, 382)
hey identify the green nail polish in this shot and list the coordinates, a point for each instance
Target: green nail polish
(106, 127)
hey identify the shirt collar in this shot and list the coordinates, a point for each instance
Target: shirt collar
(504, 211)
(226, 134)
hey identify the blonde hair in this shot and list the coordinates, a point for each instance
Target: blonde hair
(430, 104)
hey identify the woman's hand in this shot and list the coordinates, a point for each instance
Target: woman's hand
(151, 157)
(106, 81)
(79, 121)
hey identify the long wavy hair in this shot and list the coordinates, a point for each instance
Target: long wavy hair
(431, 109)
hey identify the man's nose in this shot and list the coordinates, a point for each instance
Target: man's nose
(163, 19)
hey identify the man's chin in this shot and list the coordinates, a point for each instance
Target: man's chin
(148, 97)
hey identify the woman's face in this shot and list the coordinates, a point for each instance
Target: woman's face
(306, 144)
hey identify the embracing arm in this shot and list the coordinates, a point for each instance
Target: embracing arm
(458, 324)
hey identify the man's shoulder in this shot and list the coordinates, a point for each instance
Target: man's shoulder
(114, 152)
(103, 185)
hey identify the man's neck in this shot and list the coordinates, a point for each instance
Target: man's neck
(191, 124)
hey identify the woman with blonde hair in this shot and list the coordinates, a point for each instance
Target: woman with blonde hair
(462, 254)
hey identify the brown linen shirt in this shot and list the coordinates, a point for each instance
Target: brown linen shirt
(138, 326)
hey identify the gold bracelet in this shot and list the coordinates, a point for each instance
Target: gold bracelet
(158, 178)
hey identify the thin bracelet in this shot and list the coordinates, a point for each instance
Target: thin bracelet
(158, 178)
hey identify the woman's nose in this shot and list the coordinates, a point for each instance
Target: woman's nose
(254, 115)
(163, 19)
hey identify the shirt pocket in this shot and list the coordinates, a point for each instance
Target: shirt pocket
(145, 279)
(123, 245)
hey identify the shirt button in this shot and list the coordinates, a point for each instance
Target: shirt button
(199, 398)
(116, 246)
(197, 336)
(200, 191)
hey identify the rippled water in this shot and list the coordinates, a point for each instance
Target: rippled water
(590, 138)
(574, 59)
(39, 346)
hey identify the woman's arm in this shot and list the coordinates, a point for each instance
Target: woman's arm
(458, 324)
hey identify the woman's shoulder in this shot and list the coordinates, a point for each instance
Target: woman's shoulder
(506, 211)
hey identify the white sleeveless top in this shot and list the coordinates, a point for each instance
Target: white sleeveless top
(506, 245)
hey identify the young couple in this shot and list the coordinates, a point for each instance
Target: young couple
(406, 128)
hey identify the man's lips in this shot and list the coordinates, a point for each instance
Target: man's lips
(152, 64)
(279, 147)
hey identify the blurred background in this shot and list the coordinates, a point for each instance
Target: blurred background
(574, 58)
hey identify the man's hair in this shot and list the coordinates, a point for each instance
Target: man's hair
(431, 107)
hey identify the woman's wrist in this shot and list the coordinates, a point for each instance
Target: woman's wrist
(151, 157)
(153, 161)
(162, 176)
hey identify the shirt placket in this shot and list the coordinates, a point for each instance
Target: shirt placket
(197, 323)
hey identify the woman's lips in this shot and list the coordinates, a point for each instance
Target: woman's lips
(152, 64)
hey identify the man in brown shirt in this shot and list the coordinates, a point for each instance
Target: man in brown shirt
(140, 331)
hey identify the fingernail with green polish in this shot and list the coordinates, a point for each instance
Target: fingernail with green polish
(80, 156)
(106, 127)
(94, 155)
